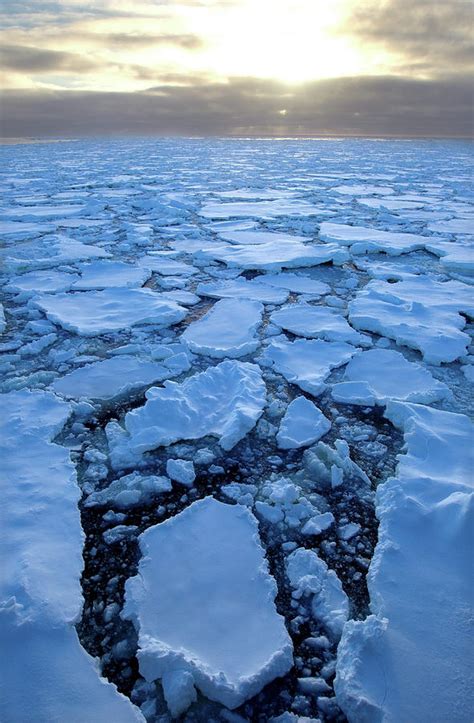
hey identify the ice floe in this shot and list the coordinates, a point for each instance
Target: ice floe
(40, 592)
(302, 425)
(91, 313)
(118, 376)
(237, 643)
(364, 240)
(275, 255)
(380, 375)
(417, 312)
(306, 363)
(317, 322)
(412, 653)
(110, 274)
(224, 401)
(265, 210)
(240, 288)
(227, 330)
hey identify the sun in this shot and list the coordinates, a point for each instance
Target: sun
(289, 40)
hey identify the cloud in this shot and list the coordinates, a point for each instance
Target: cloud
(26, 59)
(434, 35)
(131, 41)
(367, 106)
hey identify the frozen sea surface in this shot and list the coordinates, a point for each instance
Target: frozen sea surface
(236, 383)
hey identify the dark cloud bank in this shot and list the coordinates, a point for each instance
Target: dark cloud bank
(372, 106)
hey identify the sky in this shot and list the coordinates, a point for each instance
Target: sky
(237, 67)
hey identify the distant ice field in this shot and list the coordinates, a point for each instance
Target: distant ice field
(236, 383)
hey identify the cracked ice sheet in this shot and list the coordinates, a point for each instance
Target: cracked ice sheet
(370, 240)
(265, 210)
(40, 592)
(274, 255)
(417, 312)
(426, 518)
(229, 329)
(91, 313)
(231, 650)
(224, 401)
(306, 363)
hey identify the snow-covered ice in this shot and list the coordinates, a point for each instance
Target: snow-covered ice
(238, 642)
(229, 329)
(91, 313)
(418, 312)
(128, 263)
(118, 376)
(240, 288)
(380, 375)
(413, 652)
(364, 240)
(307, 363)
(40, 592)
(224, 401)
(308, 574)
(317, 322)
(302, 425)
(109, 274)
(275, 255)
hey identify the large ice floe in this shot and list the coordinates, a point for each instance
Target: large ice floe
(224, 401)
(363, 240)
(262, 209)
(40, 592)
(91, 313)
(227, 330)
(238, 642)
(240, 288)
(275, 255)
(411, 655)
(418, 312)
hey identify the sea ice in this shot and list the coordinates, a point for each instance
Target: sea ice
(265, 210)
(302, 425)
(383, 375)
(274, 255)
(227, 330)
(317, 322)
(49, 251)
(240, 288)
(110, 274)
(208, 560)
(129, 491)
(90, 313)
(40, 281)
(309, 575)
(413, 652)
(224, 401)
(296, 283)
(118, 376)
(305, 362)
(40, 592)
(370, 240)
(418, 312)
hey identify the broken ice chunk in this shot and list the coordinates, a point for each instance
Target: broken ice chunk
(227, 330)
(203, 603)
(302, 425)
